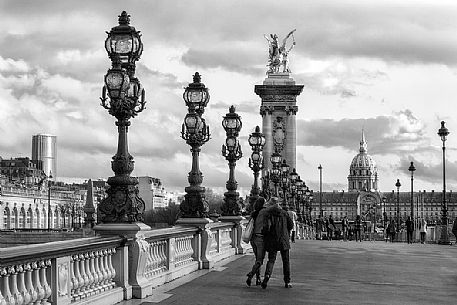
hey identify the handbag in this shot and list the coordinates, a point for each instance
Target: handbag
(247, 234)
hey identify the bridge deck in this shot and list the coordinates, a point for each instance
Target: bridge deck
(328, 272)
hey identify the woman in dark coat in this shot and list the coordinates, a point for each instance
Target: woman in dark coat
(257, 241)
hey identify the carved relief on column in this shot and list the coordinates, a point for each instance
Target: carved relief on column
(279, 134)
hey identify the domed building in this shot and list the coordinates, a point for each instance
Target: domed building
(363, 173)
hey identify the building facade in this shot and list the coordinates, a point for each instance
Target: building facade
(27, 208)
(364, 198)
(44, 149)
(22, 171)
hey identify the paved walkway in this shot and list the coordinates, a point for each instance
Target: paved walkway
(327, 272)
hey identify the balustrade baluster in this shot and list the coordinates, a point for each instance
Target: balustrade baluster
(106, 272)
(77, 279)
(104, 269)
(90, 278)
(44, 282)
(36, 283)
(98, 274)
(8, 297)
(17, 296)
(29, 284)
(164, 255)
(110, 266)
(92, 272)
(84, 279)
(26, 297)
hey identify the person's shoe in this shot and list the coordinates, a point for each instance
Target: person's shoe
(258, 281)
(248, 280)
(287, 285)
(265, 281)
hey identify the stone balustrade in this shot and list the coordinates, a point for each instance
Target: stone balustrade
(59, 272)
(109, 269)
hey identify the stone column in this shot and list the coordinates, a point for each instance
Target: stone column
(279, 93)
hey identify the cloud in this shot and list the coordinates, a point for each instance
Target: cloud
(401, 131)
(339, 78)
(430, 172)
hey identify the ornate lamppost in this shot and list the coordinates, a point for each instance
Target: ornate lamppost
(49, 199)
(196, 133)
(231, 150)
(126, 100)
(256, 141)
(411, 168)
(398, 184)
(293, 187)
(285, 182)
(443, 132)
(275, 172)
(297, 194)
(321, 214)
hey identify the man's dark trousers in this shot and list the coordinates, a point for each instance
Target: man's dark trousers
(285, 264)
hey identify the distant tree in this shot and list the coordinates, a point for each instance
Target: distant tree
(167, 215)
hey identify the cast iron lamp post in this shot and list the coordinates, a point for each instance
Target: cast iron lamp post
(398, 184)
(412, 169)
(126, 100)
(443, 132)
(297, 192)
(231, 150)
(49, 200)
(285, 182)
(196, 133)
(293, 187)
(275, 172)
(256, 141)
(321, 214)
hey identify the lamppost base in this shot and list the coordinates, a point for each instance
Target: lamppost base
(444, 236)
(193, 221)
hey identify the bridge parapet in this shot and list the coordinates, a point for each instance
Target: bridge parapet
(109, 269)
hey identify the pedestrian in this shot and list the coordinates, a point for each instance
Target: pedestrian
(292, 216)
(327, 228)
(276, 237)
(358, 228)
(392, 230)
(423, 230)
(409, 230)
(344, 227)
(257, 240)
(332, 228)
(319, 228)
(454, 227)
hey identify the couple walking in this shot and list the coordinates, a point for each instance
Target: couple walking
(272, 227)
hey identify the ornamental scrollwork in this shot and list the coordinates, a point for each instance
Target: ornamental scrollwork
(279, 134)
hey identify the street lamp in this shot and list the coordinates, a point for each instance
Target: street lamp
(285, 181)
(256, 141)
(443, 132)
(196, 133)
(126, 100)
(275, 172)
(320, 190)
(412, 169)
(231, 150)
(49, 199)
(398, 184)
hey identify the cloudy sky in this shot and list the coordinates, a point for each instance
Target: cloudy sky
(389, 67)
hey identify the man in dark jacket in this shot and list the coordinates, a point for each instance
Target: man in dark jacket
(277, 232)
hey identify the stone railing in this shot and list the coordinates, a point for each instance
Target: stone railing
(109, 269)
(60, 272)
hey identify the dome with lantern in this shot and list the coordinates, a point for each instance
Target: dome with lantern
(363, 173)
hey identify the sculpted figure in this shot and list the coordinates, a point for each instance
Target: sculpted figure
(278, 55)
